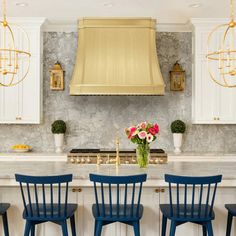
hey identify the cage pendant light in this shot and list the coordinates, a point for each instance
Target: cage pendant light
(221, 52)
(14, 52)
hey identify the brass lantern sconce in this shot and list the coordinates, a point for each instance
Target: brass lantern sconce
(57, 77)
(177, 78)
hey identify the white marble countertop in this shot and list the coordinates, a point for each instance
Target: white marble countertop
(193, 164)
(155, 172)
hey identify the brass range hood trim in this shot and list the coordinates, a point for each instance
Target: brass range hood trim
(112, 90)
(117, 56)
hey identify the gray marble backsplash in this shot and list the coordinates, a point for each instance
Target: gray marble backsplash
(93, 122)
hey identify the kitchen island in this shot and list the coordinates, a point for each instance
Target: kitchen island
(154, 193)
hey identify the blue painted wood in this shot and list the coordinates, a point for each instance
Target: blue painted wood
(52, 209)
(231, 213)
(3, 212)
(197, 209)
(229, 224)
(125, 207)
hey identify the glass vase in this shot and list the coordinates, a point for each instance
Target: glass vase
(143, 154)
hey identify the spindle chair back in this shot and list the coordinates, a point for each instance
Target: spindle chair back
(191, 199)
(117, 199)
(45, 198)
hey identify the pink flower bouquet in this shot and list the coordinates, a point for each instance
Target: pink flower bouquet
(143, 134)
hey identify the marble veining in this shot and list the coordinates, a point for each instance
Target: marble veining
(94, 121)
(227, 169)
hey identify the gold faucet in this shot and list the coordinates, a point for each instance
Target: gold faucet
(117, 159)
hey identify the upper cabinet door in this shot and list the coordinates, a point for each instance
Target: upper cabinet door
(22, 104)
(211, 103)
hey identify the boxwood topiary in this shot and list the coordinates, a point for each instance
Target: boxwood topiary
(178, 126)
(58, 127)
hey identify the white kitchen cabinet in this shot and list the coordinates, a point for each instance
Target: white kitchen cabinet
(22, 104)
(150, 223)
(211, 103)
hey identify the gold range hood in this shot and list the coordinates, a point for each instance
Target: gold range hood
(117, 56)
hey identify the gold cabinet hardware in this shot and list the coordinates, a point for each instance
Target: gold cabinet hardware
(216, 118)
(76, 190)
(157, 190)
(18, 118)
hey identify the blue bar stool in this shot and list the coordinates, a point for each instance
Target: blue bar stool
(51, 205)
(231, 213)
(200, 212)
(122, 207)
(3, 212)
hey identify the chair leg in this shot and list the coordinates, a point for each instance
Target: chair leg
(229, 224)
(136, 228)
(5, 224)
(72, 223)
(32, 230)
(98, 228)
(27, 228)
(209, 229)
(204, 230)
(64, 228)
(172, 228)
(95, 227)
(164, 223)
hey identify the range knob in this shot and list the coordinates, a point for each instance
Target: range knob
(127, 162)
(72, 160)
(88, 160)
(77, 160)
(156, 161)
(151, 161)
(82, 160)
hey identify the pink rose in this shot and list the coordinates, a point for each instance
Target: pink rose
(131, 131)
(142, 125)
(156, 127)
(152, 131)
(149, 138)
(142, 134)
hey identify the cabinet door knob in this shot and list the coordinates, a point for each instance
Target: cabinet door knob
(18, 118)
(157, 190)
(76, 190)
(162, 190)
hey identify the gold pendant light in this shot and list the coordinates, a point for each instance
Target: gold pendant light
(221, 53)
(14, 52)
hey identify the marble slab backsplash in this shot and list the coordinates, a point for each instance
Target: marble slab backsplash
(93, 122)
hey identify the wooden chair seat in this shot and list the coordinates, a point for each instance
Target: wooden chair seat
(4, 207)
(231, 208)
(57, 213)
(126, 213)
(188, 215)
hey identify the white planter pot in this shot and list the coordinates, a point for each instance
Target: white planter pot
(177, 142)
(59, 142)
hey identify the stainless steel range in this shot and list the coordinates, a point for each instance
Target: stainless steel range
(100, 156)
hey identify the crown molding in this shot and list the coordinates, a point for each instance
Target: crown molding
(208, 21)
(72, 27)
(27, 21)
